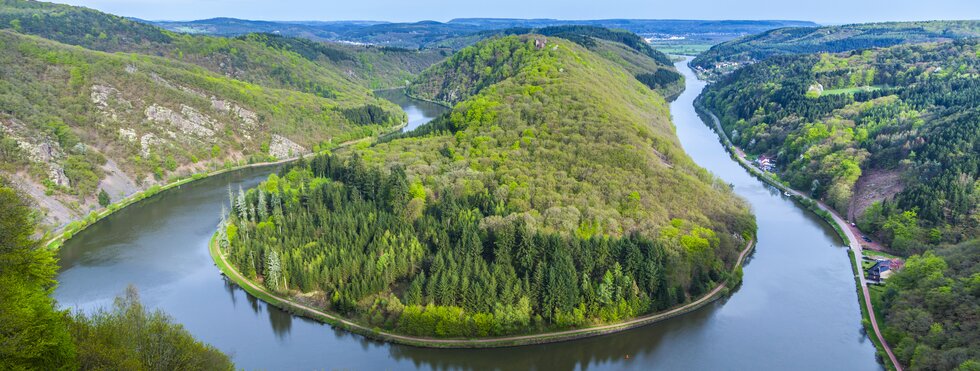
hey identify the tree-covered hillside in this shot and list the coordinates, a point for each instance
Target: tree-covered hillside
(554, 195)
(38, 336)
(76, 121)
(328, 70)
(831, 39)
(81, 122)
(888, 136)
(626, 49)
(931, 308)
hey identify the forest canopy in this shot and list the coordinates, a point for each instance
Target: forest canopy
(543, 200)
(828, 120)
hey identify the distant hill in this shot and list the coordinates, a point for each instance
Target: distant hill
(426, 34)
(651, 67)
(723, 57)
(249, 58)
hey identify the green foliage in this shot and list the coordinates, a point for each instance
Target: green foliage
(104, 199)
(127, 336)
(921, 121)
(478, 238)
(833, 39)
(35, 333)
(929, 304)
(38, 336)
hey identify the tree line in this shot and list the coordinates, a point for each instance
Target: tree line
(370, 245)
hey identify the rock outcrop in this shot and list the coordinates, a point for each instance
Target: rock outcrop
(188, 121)
(281, 147)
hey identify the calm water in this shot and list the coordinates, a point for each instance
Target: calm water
(419, 112)
(797, 307)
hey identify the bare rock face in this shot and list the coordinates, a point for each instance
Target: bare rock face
(282, 148)
(146, 143)
(188, 121)
(57, 175)
(39, 149)
(107, 99)
(249, 118)
(128, 135)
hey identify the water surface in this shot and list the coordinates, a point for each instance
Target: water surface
(419, 111)
(796, 309)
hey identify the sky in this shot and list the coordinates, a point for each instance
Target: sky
(820, 11)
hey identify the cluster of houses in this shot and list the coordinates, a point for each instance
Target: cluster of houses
(765, 163)
(880, 269)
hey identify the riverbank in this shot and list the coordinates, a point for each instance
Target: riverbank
(832, 218)
(63, 234)
(375, 333)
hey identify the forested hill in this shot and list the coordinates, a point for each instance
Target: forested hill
(427, 34)
(832, 39)
(889, 136)
(452, 81)
(554, 195)
(334, 71)
(76, 122)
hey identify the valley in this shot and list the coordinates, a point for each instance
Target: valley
(488, 193)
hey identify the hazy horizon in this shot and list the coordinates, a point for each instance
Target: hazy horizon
(824, 12)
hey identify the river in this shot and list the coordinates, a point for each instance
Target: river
(796, 308)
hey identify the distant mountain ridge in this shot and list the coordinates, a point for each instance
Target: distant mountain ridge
(829, 39)
(425, 33)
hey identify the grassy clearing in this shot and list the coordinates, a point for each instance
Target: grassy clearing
(881, 254)
(849, 90)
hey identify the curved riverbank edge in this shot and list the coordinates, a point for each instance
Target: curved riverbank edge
(828, 215)
(336, 320)
(65, 233)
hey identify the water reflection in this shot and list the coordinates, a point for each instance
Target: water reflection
(161, 246)
(419, 112)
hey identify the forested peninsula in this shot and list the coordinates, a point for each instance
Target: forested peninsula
(554, 195)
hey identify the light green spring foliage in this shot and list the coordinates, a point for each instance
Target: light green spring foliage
(34, 335)
(907, 110)
(565, 137)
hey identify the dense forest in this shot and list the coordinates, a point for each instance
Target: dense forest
(830, 39)
(932, 306)
(828, 120)
(504, 216)
(632, 52)
(38, 336)
(890, 137)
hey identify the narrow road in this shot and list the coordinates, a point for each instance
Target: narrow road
(853, 241)
(482, 342)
